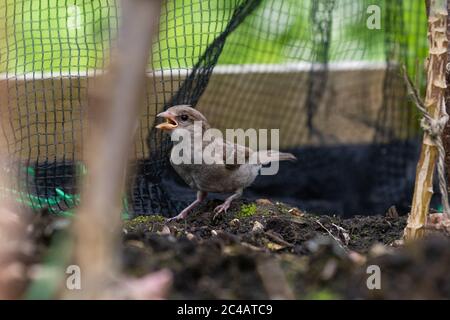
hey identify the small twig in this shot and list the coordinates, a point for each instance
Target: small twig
(345, 233)
(252, 247)
(278, 239)
(339, 242)
(413, 91)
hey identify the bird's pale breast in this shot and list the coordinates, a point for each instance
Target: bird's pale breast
(215, 177)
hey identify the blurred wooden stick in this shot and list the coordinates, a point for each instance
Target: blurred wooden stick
(13, 235)
(435, 106)
(14, 245)
(113, 110)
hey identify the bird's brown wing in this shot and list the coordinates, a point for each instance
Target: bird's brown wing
(232, 153)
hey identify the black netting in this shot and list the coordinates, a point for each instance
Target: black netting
(321, 71)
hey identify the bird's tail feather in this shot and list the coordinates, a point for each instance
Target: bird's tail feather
(265, 157)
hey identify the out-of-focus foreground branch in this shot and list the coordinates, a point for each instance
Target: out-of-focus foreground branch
(14, 245)
(114, 105)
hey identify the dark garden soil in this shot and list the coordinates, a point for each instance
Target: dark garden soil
(269, 250)
(265, 250)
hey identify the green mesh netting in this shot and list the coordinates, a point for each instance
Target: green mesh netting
(312, 68)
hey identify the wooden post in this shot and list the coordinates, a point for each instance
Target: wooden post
(446, 133)
(434, 102)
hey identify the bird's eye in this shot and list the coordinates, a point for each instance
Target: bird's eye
(184, 117)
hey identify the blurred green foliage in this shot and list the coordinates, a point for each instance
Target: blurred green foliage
(55, 35)
(74, 35)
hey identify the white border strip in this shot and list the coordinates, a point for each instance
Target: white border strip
(300, 67)
(220, 69)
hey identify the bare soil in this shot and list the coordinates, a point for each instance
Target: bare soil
(270, 250)
(260, 250)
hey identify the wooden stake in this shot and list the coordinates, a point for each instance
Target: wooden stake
(446, 133)
(434, 100)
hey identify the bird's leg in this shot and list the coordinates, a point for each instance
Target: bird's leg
(224, 206)
(201, 195)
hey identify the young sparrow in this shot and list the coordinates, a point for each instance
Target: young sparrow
(222, 173)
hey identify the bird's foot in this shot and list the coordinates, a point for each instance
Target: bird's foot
(183, 214)
(221, 209)
(178, 217)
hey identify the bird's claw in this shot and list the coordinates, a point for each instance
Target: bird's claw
(220, 209)
(176, 218)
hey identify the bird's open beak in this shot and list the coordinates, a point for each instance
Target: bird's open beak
(170, 122)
